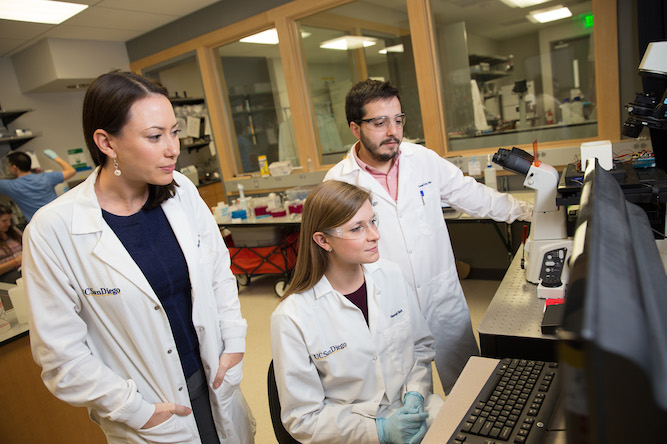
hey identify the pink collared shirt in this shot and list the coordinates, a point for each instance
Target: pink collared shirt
(388, 181)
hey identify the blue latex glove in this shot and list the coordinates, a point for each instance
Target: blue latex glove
(50, 154)
(420, 435)
(413, 402)
(401, 427)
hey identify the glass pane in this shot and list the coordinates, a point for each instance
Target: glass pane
(377, 45)
(182, 79)
(508, 80)
(255, 83)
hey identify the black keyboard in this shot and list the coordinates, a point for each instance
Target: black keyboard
(514, 406)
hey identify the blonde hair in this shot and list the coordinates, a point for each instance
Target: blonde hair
(330, 205)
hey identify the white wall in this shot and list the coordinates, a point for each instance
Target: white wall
(57, 116)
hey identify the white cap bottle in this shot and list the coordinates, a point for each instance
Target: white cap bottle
(490, 174)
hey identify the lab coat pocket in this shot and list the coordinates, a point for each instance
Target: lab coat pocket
(430, 214)
(206, 259)
(400, 346)
(176, 429)
(230, 384)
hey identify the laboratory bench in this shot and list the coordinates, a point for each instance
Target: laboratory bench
(512, 324)
(29, 411)
(497, 240)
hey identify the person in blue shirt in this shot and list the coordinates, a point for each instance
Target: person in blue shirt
(29, 190)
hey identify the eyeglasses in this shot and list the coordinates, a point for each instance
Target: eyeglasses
(356, 232)
(383, 122)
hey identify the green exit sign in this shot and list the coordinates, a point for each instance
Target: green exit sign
(587, 20)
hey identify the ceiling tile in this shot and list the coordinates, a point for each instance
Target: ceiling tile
(178, 8)
(11, 29)
(89, 33)
(119, 19)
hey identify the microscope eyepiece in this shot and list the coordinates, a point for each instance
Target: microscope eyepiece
(516, 160)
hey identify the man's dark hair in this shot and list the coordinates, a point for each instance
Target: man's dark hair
(20, 160)
(366, 92)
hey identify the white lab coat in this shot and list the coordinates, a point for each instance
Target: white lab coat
(415, 236)
(335, 374)
(100, 333)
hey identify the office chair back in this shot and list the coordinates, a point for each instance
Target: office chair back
(282, 435)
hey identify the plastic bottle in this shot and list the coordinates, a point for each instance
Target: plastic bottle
(243, 204)
(490, 174)
(263, 166)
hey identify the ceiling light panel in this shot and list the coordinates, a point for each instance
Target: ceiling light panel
(549, 15)
(39, 11)
(523, 3)
(395, 48)
(349, 42)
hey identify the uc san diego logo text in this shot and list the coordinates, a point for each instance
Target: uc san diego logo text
(101, 291)
(326, 353)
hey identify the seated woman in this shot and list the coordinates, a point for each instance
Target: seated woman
(10, 247)
(351, 350)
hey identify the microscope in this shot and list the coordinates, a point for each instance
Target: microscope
(649, 110)
(547, 248)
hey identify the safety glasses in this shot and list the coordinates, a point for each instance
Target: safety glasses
(383, 122)
(355, 232)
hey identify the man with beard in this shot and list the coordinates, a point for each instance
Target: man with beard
(409, 185)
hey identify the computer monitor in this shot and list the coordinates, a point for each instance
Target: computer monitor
(613, 340)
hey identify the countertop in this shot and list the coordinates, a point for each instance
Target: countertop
(17, 331)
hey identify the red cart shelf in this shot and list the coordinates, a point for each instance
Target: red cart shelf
(274, 259)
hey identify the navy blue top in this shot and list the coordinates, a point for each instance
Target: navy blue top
(149, 239)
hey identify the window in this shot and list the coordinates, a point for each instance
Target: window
(259, 108)
(350, 43)
(507, 80)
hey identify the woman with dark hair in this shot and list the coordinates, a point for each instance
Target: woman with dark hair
(134, 309)
(10, 247)
(351, 351)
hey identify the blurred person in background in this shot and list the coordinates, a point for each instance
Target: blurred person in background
(10, 247)
(29, 190)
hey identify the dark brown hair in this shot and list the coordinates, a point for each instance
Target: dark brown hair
(20, 160)
(107, 106)
(365, 92)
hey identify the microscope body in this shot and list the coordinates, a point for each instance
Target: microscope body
(547, 248)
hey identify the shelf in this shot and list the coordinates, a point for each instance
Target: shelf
(206, 141)
(253, 94)
(494, 72)
(476, 59)
(16, 141)
(9, 116)
(485, 76)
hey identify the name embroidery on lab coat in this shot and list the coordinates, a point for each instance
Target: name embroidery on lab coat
(424, 184)
(397, 313)
(326, 353)
(101, 291)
